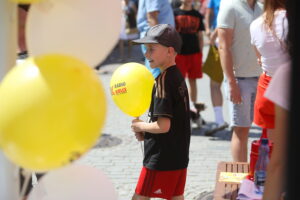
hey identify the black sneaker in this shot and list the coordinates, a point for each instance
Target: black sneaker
(200, 106)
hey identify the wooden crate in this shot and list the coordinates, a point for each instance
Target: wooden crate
(228, 190)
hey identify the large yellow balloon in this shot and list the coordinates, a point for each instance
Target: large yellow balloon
(131, 88)
(52, 108)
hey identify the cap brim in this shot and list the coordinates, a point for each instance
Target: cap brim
(145, 40)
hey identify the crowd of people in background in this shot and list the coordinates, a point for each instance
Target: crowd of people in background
(251, 39)
(249, 60)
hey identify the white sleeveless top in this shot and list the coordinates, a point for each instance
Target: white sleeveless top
(271, 44)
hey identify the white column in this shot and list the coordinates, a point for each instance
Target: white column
(9, 184)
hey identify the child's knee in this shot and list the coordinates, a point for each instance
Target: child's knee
(139, 197)
(178, 197)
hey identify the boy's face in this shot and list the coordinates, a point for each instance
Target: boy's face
(157, 55)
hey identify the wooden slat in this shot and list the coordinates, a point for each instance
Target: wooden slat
(234, 167)
(246, 168)
(228, 190)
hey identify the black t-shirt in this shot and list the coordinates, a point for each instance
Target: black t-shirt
(169, 151)
(188, 24)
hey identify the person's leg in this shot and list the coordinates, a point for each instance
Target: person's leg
(178, 197)
(129, 48)
(193, 89)
(217, 101)
(121, 49)
(22, 16)
(139, 197)
(242, 117)
(239, 144)
(216, 94)
(194, 72)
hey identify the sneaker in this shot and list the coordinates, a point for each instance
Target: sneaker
(200, 106)
(194, 114)
(216, 129)
(197, 119)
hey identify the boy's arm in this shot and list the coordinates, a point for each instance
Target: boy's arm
(213, 37)
(152, 18)
(162, 125)
(207, 19)
(200, 38)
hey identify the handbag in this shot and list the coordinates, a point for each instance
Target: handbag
(212, 66)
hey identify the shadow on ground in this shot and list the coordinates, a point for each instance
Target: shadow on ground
(132, 55)
(224, 134)
(106, 140)
(206, 196)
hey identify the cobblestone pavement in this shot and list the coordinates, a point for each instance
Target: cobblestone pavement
(119, 155)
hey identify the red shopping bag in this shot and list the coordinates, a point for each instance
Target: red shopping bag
(255, 150)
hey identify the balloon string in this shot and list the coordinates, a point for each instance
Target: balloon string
(25, 185)
(34, 179)
(142, 148)
(141, 143)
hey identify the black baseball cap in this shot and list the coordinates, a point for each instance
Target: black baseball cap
(163, 34)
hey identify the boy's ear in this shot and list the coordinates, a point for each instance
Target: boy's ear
(171, 50)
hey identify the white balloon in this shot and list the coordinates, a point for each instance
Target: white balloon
(86, 29)
(74, 182)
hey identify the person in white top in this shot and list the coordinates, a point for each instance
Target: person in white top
(268, 35)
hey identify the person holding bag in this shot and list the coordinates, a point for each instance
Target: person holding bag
(214, 69)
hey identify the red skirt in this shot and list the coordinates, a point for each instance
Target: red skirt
(264, 109)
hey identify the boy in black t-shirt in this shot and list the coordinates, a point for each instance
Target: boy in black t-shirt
(167, 134)
(189, 24)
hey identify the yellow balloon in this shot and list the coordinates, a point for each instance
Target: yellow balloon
(52, 110)
(131, 88)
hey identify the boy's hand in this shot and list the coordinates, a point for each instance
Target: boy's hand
(137, 125)
(139, 136)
